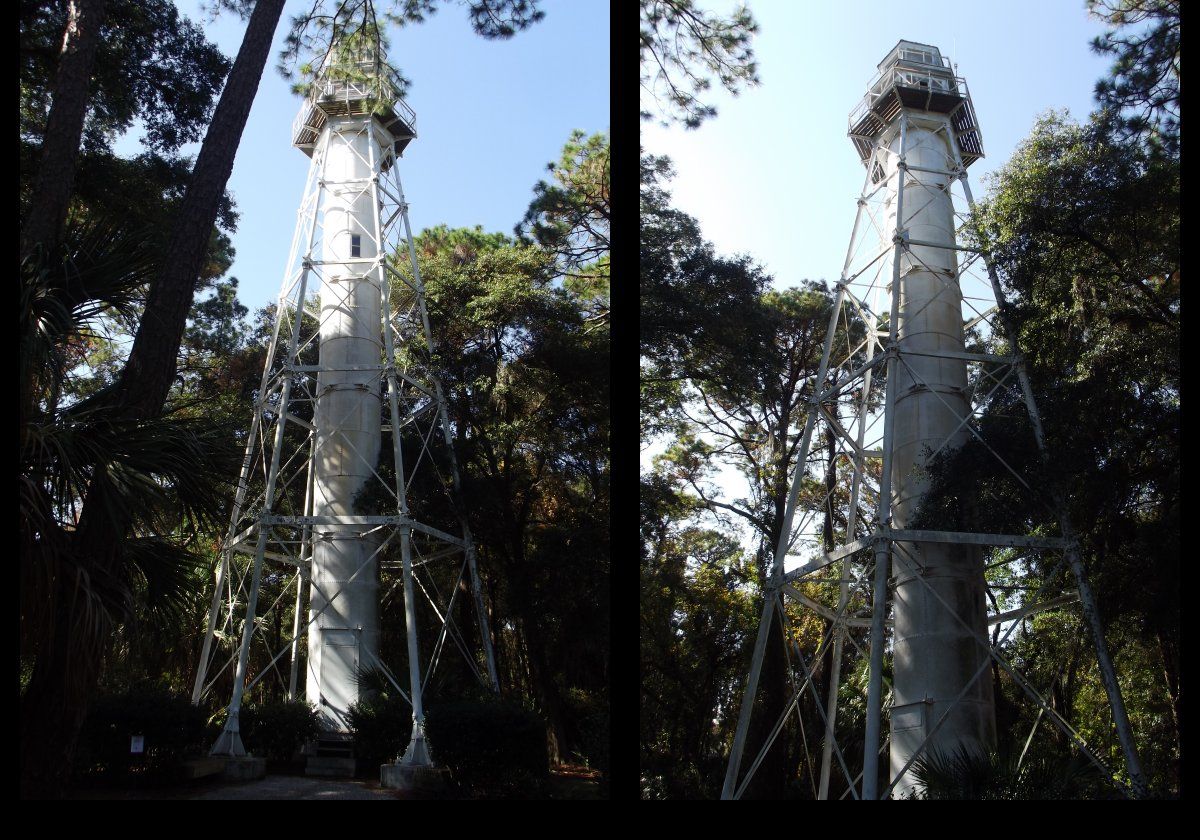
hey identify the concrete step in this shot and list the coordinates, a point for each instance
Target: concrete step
(332, 747)
(334, 752)
(335, 766)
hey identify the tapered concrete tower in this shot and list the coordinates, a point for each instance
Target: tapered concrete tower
(898, 385)
(345, 630)
(939, 664)
(325, 484)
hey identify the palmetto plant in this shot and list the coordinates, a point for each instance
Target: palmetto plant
(970, 774)
(159, 484)
(163, 477)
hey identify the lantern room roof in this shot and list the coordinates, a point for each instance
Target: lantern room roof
(357, 84)
(915, 77)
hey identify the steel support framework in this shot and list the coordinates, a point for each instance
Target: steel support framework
(273, 523)
(862, 349)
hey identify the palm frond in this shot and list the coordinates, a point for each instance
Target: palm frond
(996, 775)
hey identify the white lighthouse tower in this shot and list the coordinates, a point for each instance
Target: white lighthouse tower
(897, 386)
(348, 392)
(916, 110)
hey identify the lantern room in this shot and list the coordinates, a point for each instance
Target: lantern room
(915, 77)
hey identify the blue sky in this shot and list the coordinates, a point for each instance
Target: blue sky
(490, 116)
(774, 175)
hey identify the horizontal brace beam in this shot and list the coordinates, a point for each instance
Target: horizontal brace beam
(983, 316)
(825, 612)
(825, 559)
(1013, 615)
(924, 243)
(951, 354)
(837, 387)
(963, 537)
(329, 519)
(949, 173)
(308, 263)
(856, 621)
(292, 418)
(285, 558)
(333, 519)
(904, 535)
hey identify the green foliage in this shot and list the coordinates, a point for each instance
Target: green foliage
(278, 729)
(152, 66)
(353, 30)
(167, 478)
(492, 749)
(997, 776)
(492, 19)
(695, 615)
(160, 473)
(1142, 91)
(682, 48)
(527, 386)
(726, 365)
(381, 726)
(144, 192)
(570, 219)
(592, 718)
(700, 313)
(1083, 229)
(173, 728)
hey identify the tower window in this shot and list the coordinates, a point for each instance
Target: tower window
(355, 245)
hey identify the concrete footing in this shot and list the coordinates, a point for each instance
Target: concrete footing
(244, 769)
(198, 768)
(413, 777)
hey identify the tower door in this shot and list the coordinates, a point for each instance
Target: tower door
(339, 667)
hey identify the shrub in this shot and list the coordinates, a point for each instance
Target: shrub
(590, 715)
(491, 748)
(381, 727)
(277, 729)
(172, 727)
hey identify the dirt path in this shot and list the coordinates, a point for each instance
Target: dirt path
(561, 785)
(296, 787)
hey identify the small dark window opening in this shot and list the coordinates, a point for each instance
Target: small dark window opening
(355, 245)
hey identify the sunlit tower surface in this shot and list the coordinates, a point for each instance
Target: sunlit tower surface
(927, 123)
(906, 368)
(329, 433)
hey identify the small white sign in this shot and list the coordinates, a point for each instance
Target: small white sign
(137, 744)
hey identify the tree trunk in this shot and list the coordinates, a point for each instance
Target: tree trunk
(55, 704)
(67, 667)
(1168, 649)
(64, 126)
(540, 672)
(147, 376)
(770, 780)
(67, 670)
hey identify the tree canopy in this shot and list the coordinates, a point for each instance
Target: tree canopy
(1082, 230)
(682, 48)
(127, 457)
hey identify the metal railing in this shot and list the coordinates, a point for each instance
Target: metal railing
(377, 87)
(896, 76)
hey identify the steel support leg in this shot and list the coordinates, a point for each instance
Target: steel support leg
(1087, 601)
